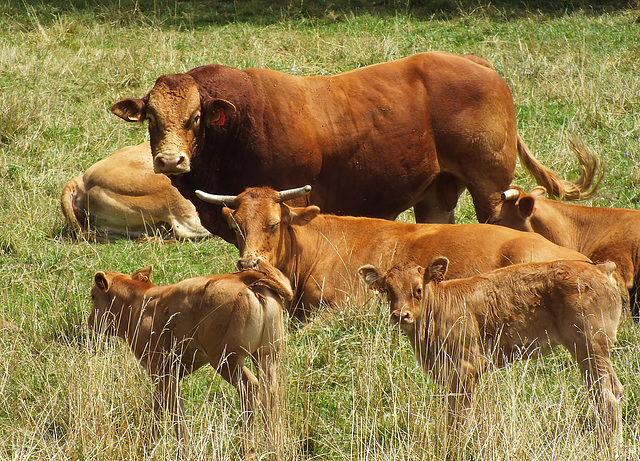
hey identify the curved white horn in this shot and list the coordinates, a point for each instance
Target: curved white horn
(290, 194)
(510, 194)
(225, 200)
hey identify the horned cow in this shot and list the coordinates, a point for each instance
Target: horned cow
(597, 232)
(457, 328)
(175, 329)
(320, 254)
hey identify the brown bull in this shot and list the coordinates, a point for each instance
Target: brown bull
(458, 328)
(175, 329)
(121, 196)
(321, 253)
(599, 233)
(374, 141)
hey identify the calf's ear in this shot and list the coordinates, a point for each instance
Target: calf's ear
(217, 110)
(143, 275)
(130, 110)
(101, 281)
(437, 270)
(371, 276)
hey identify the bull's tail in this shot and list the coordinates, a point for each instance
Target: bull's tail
(583, 187)
(68, 206)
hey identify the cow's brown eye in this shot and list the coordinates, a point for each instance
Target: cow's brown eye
(196, 119)
(419, 293)
(272, 227)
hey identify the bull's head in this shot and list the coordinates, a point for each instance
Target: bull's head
(405, 285)
(260, 219)
(518, 207)
(177, 115)
(110, 313)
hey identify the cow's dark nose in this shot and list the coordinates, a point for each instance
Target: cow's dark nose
(171, 164)
(247, 263)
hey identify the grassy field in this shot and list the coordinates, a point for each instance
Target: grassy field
(352, 389)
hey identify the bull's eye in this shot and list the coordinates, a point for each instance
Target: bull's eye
(196, 119)
(418, 293)
(272, 227)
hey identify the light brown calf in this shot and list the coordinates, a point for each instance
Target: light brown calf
(599, 233)
(458, 327)
(175, 329)
(121, 196)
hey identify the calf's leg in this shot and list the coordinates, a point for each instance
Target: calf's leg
(167, 398)
(604, 388)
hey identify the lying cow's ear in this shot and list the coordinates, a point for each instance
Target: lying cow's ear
(130, 110)
(437, 270)
(217, 110)
(227, 213)
(143, 275)
(526, 206)
(538, 191)
(371, 276)
(300, 215)
(101, 281)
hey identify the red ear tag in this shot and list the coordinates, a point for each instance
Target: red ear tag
(221, 118)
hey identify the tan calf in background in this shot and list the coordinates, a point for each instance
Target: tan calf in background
(175, 329)
(457, 328)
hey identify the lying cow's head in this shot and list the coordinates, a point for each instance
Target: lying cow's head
(110, 314)
(518, 207)
(177, 113)
(260, 220)
(405, 286)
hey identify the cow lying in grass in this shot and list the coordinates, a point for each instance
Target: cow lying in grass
(457, 328)
(121, 196)
(599, 233)
(321, 253)
(175, 329)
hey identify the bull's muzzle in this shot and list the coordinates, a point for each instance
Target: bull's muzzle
(171, 164)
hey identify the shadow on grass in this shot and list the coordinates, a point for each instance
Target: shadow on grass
(203, 13)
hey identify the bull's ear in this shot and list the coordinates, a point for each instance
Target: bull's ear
(437, 270)
(300, 215)
(372, 276)
(101, 281)
(217, 110)
(143, 275)
(130, 110)
(526, 206)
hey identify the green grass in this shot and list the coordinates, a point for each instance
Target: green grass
(353, 390)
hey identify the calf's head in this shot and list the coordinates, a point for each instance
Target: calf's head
(261, 220)
(178, 113)
(406, 286)
(111, 296)
(518, 208)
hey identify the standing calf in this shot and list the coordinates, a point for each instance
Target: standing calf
(458, 327)
(175, 329)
